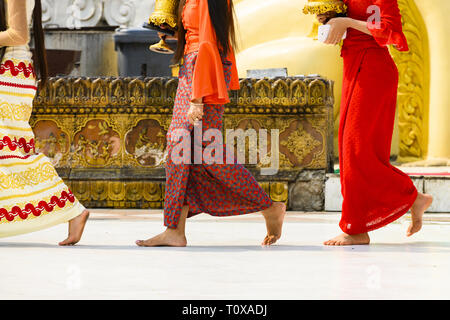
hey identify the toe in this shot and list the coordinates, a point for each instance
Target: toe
(140, 243)
(268, 240)
(263, 243)
(272, 240)
(66, 242)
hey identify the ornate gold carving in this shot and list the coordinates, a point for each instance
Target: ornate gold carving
(133, 191)
(111, 132)
(157, 95)
(279, 191)
(52, 141)
(81, 189)
(96, 144)
(299, 147)
(116, 191)
(303, 144)
(119, 194)
(414, 83)
(153, 192)
(323, 6)
(300, 143)
(146, 143)
(99, 190)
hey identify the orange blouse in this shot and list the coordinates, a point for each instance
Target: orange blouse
(208, 80)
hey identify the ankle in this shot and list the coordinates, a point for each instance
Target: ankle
(176, 232)
(266, 213)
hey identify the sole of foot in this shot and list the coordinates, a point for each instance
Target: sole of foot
(274, 217)
(76, 228)
(349, 240)
(165, 239)
(422, 203)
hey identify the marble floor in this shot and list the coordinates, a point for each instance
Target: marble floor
(224, 261)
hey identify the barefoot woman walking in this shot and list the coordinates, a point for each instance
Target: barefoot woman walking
(32, 196)
(206, 39)
(375, 193)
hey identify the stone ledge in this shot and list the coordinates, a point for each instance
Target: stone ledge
(104, 95)
(437, 186)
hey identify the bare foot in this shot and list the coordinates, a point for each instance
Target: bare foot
(274, 222)
(421, 204)
(349, 240)
(169, 238)
(76, 228)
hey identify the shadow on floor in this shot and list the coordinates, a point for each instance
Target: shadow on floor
(414, 247)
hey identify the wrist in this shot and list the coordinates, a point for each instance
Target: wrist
(196, 105)
(197, 101)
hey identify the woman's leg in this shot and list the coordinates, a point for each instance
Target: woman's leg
(274, 217)
(172, 237)
(375, 193)
(349, 240)
(76, 228)
(422, 203)
(230, 190)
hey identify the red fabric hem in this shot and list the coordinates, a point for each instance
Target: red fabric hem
(36, 211)
(15, 70)
(383, 222)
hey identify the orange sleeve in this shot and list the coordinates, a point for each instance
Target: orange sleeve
(389, 31)
(209, 79)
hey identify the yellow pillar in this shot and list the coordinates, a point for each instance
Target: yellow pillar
(436, 18)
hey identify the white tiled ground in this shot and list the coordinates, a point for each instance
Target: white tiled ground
(224, 261)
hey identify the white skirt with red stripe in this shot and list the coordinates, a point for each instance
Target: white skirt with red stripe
(32, 195)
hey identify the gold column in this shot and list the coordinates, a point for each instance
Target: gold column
(435, 16)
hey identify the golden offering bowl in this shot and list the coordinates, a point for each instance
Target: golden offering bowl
(164, 19)
(324, 6)
(161, 47)
(329, 8)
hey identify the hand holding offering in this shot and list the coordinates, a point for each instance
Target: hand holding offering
(331, 14)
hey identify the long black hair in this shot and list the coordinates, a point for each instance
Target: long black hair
(221, 13)
(40, 57)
